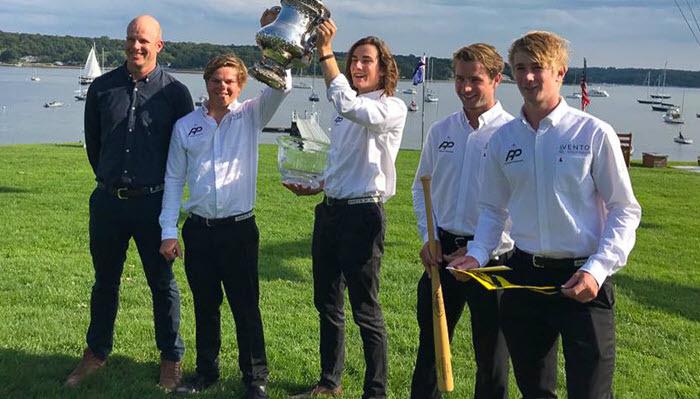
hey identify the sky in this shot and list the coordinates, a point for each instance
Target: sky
(621, 33)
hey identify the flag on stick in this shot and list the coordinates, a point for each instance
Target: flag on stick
(419, 72)
(585, 100)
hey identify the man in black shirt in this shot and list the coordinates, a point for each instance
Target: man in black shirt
(129, 116)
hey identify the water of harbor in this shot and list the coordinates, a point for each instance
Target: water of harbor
(23, 118)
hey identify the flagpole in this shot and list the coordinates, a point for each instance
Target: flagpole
(422, 107)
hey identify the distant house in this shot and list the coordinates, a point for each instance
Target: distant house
(29, 59)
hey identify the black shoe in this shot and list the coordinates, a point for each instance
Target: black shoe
(196, 384)
(256, 392)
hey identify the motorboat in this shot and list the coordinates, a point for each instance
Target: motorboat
(313, 96)
(662, 107)
(200, 101)
(412, 106)
(431, 97)
(680, 139)
(410, 90)
(80, 95)
(91, 70)
(53, 104)
(598, 92)
(674, 116)
(574, 95)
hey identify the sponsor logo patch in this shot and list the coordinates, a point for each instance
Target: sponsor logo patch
(514, 155)
(195, 131)
(447, 145)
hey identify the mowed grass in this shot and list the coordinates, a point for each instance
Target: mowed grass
(46, 276)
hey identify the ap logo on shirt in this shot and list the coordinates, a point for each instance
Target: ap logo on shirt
(513, 155)
(338, 119)
(195, 131)
(447, 145)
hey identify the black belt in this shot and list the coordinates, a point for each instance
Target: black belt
(125, 192)
(541, 262)
(221, 221)
(459, 241)
(374, 199)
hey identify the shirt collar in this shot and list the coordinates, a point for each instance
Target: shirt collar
(154, 74)
(485, 118)
(231, 107)
(553, 118)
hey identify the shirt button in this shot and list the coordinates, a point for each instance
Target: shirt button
(130, 130)
(127, 150)
(126, 171)
(136, 89)
(133, 108)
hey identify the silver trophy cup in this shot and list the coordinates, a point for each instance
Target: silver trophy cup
(289, 41)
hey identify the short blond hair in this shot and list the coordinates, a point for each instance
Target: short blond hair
(483, 53)
(227, 60)
(546, 48)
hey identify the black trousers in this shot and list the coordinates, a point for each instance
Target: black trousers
(532, 324)
(490, 351)
(226, 255)
(112, 223)
(348, 244)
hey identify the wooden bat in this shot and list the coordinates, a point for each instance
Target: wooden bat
(443, 358)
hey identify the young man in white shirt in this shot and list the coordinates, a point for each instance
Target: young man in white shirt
(453, 155)
(560, 175)
(214, 150)
(348, 240)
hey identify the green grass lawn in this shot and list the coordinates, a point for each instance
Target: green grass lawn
(46, 276)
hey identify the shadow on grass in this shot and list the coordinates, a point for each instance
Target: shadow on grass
(26, 375)
(672, 298)
(12, 190)
(70, 145)
(272, 256)
(649, 225)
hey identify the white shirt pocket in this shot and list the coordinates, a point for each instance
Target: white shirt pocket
(573, 173)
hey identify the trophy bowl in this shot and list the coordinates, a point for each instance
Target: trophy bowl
(301, 161)
(288, 41)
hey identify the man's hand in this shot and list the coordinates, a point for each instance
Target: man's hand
(170, 249)
(300, 189)
(582, 287)
(460, 252)
(427, 259)
(325, 33)
(269, 15)
(463, 263)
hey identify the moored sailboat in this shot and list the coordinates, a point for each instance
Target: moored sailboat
(91, 70)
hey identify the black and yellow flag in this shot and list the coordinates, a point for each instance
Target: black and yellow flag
(495, 278)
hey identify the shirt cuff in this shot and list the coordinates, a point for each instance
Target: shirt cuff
(479, 254)
(597, 270)
(168, 233)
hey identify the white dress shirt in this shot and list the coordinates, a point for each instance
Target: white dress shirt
(219, 163)
(365, 140)
(453, 155)
(566, 187)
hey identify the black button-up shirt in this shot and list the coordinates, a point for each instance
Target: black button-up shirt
(128, 125)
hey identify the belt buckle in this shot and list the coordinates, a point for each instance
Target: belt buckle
(328, 201)
(460, 242)
(534, 262)
(120, 191)
(206, 222)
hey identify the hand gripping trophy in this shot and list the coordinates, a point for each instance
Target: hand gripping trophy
(288, 41)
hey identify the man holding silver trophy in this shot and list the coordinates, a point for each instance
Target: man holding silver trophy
(348, 238)
(214, 150)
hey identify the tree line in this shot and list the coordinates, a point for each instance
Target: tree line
(72, 51)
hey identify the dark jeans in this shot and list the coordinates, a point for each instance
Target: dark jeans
(112, 223)
(490, 351)
(348, 244)
(532, 324)
(226, 255)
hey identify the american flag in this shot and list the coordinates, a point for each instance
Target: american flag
(419, 72)
(585, 100)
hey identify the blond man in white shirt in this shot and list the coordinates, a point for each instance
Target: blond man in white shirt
(560, 175)
(453, 156)
(214, 150)
(348, 240)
